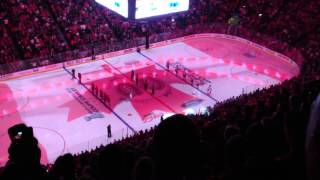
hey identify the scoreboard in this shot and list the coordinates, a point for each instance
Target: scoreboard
(118, 6)
(148, 8)
(139, 9)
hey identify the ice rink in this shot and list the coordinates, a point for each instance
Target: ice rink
(183, 76)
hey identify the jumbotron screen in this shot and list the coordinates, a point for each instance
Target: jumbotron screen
(119, 6)
(148, 8)
(139, 9)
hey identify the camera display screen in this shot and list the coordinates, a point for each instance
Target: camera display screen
(118, 6)
(146, 8)
(149, 8)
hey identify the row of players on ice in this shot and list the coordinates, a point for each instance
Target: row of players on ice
(180, 71)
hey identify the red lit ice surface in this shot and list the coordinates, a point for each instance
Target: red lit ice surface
(10, 116)
(120, 88)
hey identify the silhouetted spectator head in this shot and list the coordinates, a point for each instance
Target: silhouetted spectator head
(295, 102)
(144, 169)
(111, 163)
(20, 132)
(259, 164)
(176, 143)
(257, 140)
(24, 155)
(312, 142)
(64, 167)
(25, 152)
(231, 131)
(236, 155)
(24, 146)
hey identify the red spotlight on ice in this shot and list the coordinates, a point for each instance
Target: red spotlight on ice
(244, 65)
(278, 75)
(32, 105)
(58, 98)
(5, 112)
(254, 67)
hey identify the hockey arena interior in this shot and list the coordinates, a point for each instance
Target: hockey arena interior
(158, 90)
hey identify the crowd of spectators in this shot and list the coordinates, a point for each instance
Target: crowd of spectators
(6, 46)
(46, 27)
(261, 135)
(81, 21)
(32, 28)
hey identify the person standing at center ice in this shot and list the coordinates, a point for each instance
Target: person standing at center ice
(108, 100)
(177, 69)
(198, 84)
(73, 74)
(152, 90)
(161, 118)
(101, 93)
(92, 88)
(145, 85)
(109, 131)
(79, 76)
(137, 79)
(132, 74)
(184, 74)
(209, 90)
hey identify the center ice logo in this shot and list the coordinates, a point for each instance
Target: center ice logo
(90, 108)
(95, 115)
(118, 87)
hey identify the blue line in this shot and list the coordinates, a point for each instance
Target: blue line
(118, 116)
(177, 76)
